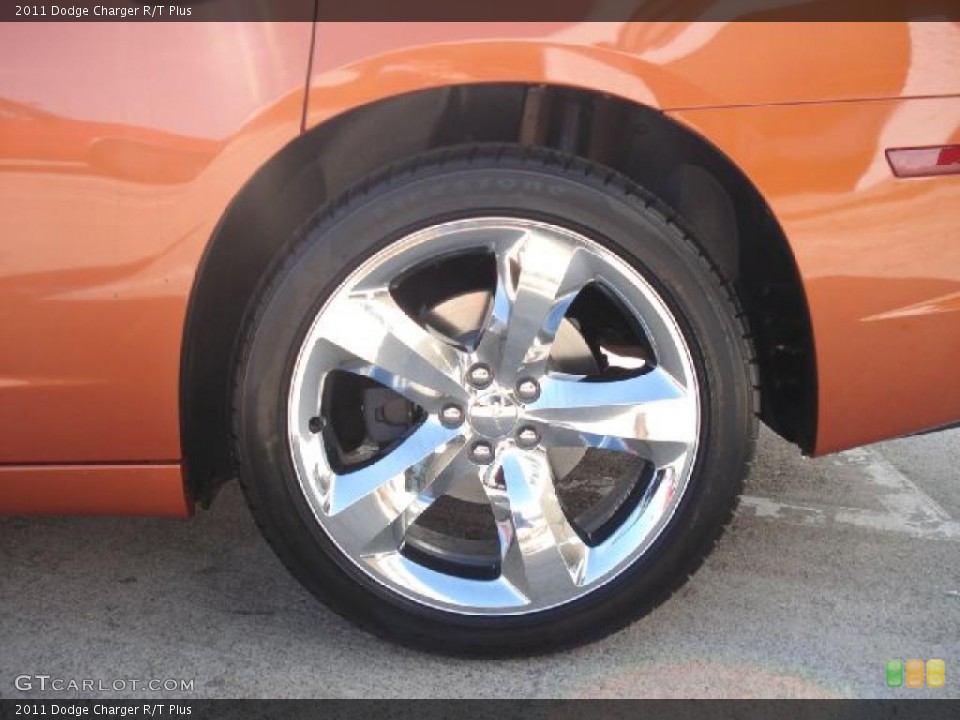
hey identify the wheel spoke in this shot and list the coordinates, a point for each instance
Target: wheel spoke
(649, 415)
(540, 552)
(538, 277)
(378, 339)
(406, 466)
(380, 520)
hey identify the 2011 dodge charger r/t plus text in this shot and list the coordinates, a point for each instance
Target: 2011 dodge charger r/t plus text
(484, 316)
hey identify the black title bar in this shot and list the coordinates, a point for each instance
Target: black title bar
(482, 10)
(486, 710)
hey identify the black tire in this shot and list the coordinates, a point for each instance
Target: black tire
(505, 180)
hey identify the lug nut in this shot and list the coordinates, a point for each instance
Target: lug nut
(528, 437)
(451, 416)
(316, 425)
(481, 453)
(480, 376)
(528, 390)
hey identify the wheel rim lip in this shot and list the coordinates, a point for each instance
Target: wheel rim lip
(671, 491)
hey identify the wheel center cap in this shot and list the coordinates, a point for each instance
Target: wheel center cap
(493, 415)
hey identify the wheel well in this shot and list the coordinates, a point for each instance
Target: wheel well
(719, 204)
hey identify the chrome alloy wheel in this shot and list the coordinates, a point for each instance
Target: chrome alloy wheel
(492, 419)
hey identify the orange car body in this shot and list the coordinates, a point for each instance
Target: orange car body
(123, 145)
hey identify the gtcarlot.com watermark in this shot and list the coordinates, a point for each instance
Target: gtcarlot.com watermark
(50, 683)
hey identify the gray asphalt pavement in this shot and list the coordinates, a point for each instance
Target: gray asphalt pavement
(832, 567)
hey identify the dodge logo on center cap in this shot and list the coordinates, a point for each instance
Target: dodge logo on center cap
(494, 415)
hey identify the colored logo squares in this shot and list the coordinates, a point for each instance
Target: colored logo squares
(894, 673)
(936, 673)
(914, 673)
(911, 673)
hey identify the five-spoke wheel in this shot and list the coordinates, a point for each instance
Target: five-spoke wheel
(490, 405)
